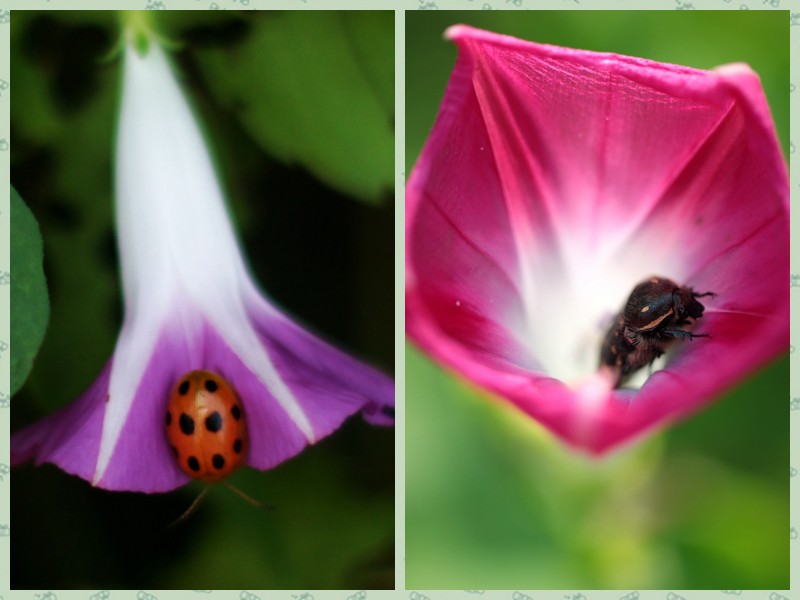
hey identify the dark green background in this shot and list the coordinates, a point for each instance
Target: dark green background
(492, 500)
(325, 256)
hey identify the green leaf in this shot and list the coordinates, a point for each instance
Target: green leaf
(316, 88)
(30, 306)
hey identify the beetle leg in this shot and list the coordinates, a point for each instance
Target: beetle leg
(657, 353)
(680, 333)
(699, 295)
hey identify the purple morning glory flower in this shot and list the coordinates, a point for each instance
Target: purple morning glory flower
(556, 180)
(191, 304)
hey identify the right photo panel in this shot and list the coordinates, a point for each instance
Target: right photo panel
(597, 311)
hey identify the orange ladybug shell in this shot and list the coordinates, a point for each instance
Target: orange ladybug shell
(206, 426)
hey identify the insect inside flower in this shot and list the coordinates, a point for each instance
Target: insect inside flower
(650, 320)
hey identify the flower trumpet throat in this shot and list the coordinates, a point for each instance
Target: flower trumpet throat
(554, 182)
(192, 307)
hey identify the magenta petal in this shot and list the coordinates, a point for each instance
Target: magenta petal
(554, 181)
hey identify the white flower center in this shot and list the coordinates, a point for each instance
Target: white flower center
(569, 309)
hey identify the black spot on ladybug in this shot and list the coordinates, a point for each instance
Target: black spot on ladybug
(211, 385)
(214, 422)
(388, 411)
(187, 424)
(236, 412)
(169, 418)
(193, 463)
(184, 387)
(175, 451)
(218, 461)
(237, 446)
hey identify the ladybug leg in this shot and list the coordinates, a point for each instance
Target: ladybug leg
(191, 508)
(245, 497)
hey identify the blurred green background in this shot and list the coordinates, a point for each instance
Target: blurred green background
(492, 500)
(302, 129)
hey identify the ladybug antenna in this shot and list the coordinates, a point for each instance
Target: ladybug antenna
(191, 508)
(244, 496)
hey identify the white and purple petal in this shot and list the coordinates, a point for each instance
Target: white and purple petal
(190, 303)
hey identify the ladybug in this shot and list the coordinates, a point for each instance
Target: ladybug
(206, 426)
(650, 319)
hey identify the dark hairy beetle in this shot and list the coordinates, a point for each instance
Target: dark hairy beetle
(651, 318)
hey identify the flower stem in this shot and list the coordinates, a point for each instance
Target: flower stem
(141, 29)
(138, 25)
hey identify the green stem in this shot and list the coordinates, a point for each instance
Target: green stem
(138, 27)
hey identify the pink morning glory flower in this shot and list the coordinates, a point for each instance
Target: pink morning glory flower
(556, 180)
(191, 304)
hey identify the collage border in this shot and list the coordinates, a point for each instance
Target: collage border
(791, 7)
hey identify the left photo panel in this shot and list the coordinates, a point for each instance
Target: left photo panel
(202, 306)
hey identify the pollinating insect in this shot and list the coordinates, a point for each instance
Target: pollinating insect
(649, 321)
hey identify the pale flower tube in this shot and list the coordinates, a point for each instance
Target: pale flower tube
(191, 304)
